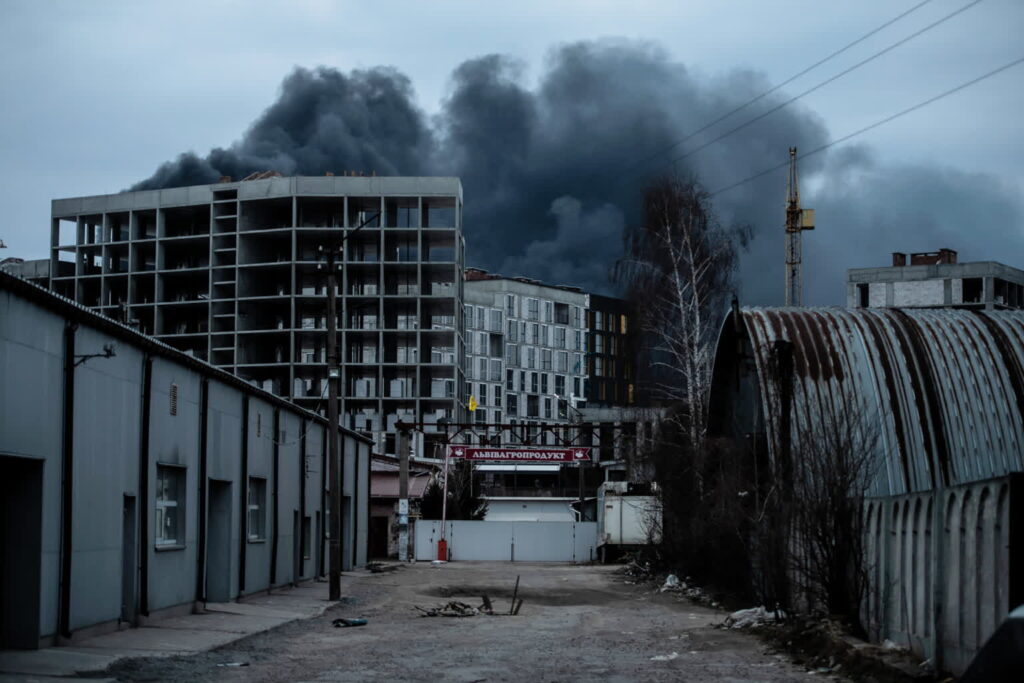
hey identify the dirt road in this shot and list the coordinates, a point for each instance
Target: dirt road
(577, 623)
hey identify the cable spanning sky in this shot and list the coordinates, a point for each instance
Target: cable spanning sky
(553, 114)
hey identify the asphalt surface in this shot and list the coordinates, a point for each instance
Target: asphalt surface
(577, 623)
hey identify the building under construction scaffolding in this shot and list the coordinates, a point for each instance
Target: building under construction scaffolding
(230, 273)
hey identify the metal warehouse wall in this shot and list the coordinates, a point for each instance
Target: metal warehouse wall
(944, 386)
(74, 555)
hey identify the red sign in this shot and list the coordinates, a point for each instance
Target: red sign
(520, 454)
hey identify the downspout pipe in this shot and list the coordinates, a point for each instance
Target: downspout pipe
(67, 481)
(144, 530)
(274, 503)
(204, 421)
(243, 496)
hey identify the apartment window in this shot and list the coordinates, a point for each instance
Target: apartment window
(495, 375)
(560, 385)
(623, 324)
(510, 380)
(577, 343)
(467, 313)
(532, 406)
(545, 359)
(543, 382)
(559, 338)
(576, 387)
(533, 330)
(495, 320)
(497, 396)
(548, 311)
(481, 368)
(598, 366)
(561, 361)
(170, 505)
(577, 317)
(598, 343)
(577, 363)
(512, 330)
(510, 305)
(522, 380)
(533, 382)
(481, 318)
(547, 408)
(513, 404)
(482, 394)
(257, 508)
(545, 335)
(532, 309)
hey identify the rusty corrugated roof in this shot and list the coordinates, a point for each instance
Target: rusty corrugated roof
(945, 386)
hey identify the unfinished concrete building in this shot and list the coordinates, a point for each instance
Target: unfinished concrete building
(935, 280)
(230, 273)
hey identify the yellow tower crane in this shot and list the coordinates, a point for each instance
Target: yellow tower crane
(797, 220)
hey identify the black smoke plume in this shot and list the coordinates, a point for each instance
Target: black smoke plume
(551, 173)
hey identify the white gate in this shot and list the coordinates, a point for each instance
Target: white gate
(508, 541)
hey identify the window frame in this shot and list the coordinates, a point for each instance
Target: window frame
(162, 505)
(260, 507)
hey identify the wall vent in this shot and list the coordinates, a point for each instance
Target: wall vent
(174, 399)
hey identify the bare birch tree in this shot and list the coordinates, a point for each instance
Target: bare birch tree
(678, 270)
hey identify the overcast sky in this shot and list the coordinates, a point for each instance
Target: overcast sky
(96, 95)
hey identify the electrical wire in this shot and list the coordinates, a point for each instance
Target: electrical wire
(761, 96)
(827, 81)
(874, 125)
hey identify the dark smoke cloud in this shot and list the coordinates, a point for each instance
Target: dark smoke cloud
(550, 172)
(322, 121)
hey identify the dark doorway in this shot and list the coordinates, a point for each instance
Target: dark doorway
(218, 543)
(378, 538)
(129, 562)
(21, 537)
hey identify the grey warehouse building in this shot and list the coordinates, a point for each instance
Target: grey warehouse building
(229, 273)
(936, 280)
(138, 481)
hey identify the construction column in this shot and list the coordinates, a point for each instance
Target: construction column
(403, 494)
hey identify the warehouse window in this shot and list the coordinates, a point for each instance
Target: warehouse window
(170, 505)
(257, 508)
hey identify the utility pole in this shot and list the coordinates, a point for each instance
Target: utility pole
(403, 493)
(335, 470)
(333, 456)
(797, 220)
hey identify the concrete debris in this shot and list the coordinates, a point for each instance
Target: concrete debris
(664, 658)
(753, 617)
(891, 645)
(451, 609)
(671, 583)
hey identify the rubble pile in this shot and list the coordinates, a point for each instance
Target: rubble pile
(451, 609)
(753, 617)
(687, 590)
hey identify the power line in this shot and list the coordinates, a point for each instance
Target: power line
(758, 98)
(874, 125)
(827, 81)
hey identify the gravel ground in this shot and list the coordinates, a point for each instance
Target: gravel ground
(577, 623)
